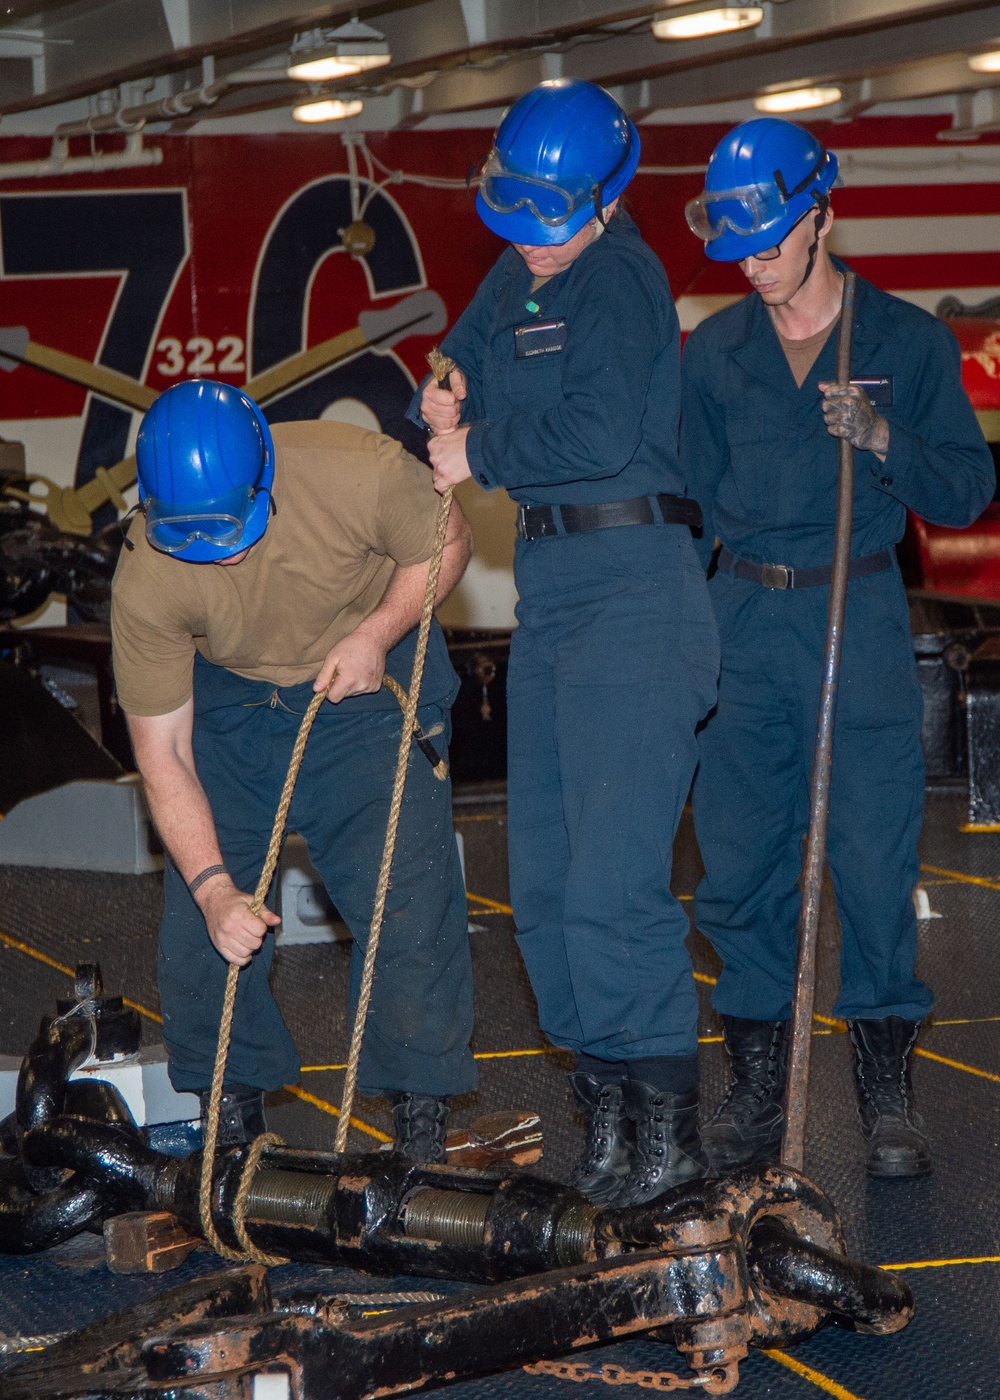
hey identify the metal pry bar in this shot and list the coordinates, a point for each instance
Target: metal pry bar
(793, 1142)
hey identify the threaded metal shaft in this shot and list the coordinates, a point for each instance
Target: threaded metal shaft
(453, 1217)
(575, 1235)
(290, 1198)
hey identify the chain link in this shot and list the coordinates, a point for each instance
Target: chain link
(615, 1375)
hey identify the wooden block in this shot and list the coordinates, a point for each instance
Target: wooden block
(514, 1136)
(146, 1242)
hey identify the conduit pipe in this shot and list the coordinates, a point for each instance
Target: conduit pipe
(60, 162)
(181, 104)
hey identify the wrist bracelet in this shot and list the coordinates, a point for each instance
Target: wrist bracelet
(206, 874)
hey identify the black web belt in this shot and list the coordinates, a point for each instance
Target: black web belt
(784, 576)
(534, 522)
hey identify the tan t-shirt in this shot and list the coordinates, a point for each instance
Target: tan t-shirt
(803, 354)
(351, 505)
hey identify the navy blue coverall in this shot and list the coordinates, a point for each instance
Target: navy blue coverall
(760, 460)
(614, 660)
(420, 1020)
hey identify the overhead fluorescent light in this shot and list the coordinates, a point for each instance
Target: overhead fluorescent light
(321, 54)
(705, 22)
(329, 110)
(985, 62)
(797, 99)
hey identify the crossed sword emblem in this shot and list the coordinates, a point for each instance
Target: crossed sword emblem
(70, 508)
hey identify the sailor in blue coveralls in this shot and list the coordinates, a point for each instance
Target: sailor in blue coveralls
(760, 423)
(567, 392)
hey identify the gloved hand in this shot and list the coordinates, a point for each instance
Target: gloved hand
(849, 413)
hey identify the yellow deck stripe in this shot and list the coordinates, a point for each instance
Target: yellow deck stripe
(942, 1263)
(490, 903)
(499, 1055)
(506, 908)
(325, 1107)
(956, 1064)
(964, 1021)
(30, 952)
(962, 878)
(477, 817)
(831, 1387)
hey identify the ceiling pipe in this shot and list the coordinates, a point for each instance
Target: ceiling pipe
(181, 104)
(60, 162)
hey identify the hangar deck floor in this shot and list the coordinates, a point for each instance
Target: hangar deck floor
(943, 1231)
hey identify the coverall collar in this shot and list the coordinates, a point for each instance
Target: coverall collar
(757, 350)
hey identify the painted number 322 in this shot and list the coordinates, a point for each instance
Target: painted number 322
(223, 356)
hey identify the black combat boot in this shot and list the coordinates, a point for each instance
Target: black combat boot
(605, 1162)
(747, 1125)
(419, 1125)
(241, 1114)
(667, 1147)
(893, 1129)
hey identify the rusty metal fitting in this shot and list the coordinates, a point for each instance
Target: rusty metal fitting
(714, 1349)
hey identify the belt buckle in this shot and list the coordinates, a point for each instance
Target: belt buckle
(776, 576)
(522, 529)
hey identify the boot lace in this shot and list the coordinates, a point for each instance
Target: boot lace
(884, 1083)
(420, 1128)
(751, 1088)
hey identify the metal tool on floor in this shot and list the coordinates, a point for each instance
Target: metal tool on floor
(713, 1267)
(797, 1093)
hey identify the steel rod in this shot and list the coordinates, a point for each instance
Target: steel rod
(793, 1142)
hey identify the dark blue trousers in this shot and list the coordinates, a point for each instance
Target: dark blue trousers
(420, 1021)
(612, 666)
(751, 796)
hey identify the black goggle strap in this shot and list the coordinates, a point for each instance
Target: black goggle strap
(787, 194)
(126, 521)
(599, 188)
(822, 205)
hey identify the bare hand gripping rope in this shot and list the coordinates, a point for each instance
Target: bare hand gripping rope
(441, 368)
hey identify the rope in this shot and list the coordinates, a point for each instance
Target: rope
(263, 885)
(226, 1026)
(374, 933)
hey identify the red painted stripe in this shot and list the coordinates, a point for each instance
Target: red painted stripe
(890, 201)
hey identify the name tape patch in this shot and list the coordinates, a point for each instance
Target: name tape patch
(539, 338)
(878, 387)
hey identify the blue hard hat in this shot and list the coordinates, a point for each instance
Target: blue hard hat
(562, 153)
(205, 463)
(762, 179)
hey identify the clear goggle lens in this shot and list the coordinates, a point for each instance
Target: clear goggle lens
(505, 192)
(745, 211)
(171, 528)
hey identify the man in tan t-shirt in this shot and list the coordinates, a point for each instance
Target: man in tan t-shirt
(273, 562)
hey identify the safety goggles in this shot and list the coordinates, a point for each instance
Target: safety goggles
(171, 528)
(745, 210)
(551, 203)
